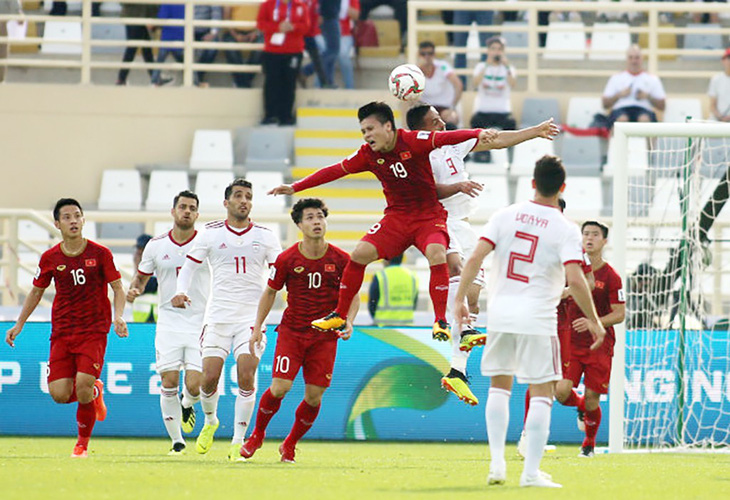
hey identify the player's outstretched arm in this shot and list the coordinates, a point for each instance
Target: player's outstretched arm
(137, 286)
(266, 302)
(582, 296)
(469, 188)
(283, 189)
(29, 305)
(468, 274)
(508, 138)
(120, 299)
(321, 176)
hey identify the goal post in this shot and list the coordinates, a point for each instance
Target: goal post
(668, 333)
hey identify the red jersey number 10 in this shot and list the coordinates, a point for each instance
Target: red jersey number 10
(529, 257)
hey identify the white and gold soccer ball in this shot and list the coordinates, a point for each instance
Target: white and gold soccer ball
(407, 82)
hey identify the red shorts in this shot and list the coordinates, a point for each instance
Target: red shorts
(315, 353)
(595, 365)
(72, 354)
(395, 233)
(564, 338)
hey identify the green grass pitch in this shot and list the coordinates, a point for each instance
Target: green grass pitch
(40, 468)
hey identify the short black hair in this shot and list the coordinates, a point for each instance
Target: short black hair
(561, 204)
(298, 209)
(549, 175)
(495, 39)
(380, 110)
(415, 116)
(426, 44)
(601, 225)
(185, 194)
(237, 182)
(64, 202)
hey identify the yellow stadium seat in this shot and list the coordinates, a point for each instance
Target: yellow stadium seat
(19, 47)
(389, 41)
(666, 41)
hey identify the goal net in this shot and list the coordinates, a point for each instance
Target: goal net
(670, 387)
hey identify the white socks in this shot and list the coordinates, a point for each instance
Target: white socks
(171, 413)
(209, 403)
(188, 399)
(537, 430)
(245, 402)
(497, 415)
(458, 357)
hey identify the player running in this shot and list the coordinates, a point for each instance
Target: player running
(595, 365)
(457, 194)
(239, 253)
(177, 335)
(536, 248)
(311, 270)
(80, 317)
(413, 215)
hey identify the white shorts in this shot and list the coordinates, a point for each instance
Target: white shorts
(462, 240)
(176, 350)
(534, 359)
(220, 339)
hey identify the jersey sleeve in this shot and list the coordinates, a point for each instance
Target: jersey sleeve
(201, 248)
(278, 272)
(356, 162)
(44, 273)
(111, 273)
(274, 250)
(147, 263)
(616, 289)
(571, 250)
(610, 88)
(657, 89)
(587, 266)
(464, 148)
(490, 232)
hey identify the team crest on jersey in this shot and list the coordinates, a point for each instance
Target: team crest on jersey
(329, 268)
(90, 262)
(298, 269)
(328, 376)
(380, 161)
(600, 285)
(405, 155)
(223, 246)
(256, 246)
(97, 366)
(60, 268)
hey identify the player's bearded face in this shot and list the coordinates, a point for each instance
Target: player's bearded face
(185, 213)
(70, 221)
(378, 135)
(240, 203)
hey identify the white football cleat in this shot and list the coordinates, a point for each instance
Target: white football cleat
(522, 446)
(496, 477)
(539, 481)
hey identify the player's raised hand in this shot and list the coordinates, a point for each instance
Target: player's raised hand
(346, 332)
(120, 327)
(548, 129)
(133, 293)
(283, 189)
(180, 301)
(11, 335)
(470, 188)
(487, 135)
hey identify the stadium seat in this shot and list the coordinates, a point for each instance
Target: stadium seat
(664, 199)
(212, 150)
(714, 157)
(436, 36)
(162, 227)
(120, 190)
(581, 111)
(497, 165)
(108, 32)
(581, 155)
(565, 40)
(583, 196)
(638, 157)
(19, 45)
(527, 153)
(33, 234)
(263, 182)
(210, 187)
(269, 149)
(495, 194)
(536, 110)
(667, 155)
(515, 39)
(704, 41)
(121, 231)
(389, 40)
(679, 109)
(609, 42)
(667, 41)
(164, 186)
(61, 37)
(524, 189)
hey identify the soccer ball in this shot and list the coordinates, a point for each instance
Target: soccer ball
(407, 82)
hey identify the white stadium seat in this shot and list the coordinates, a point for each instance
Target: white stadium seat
(120, 190)
(565, 41)
(262, 183)
(212, 150)
(527, 153)
(495, 194)
(609, 42)
(61, 37)
(678, 109)
(581, 111)
(210, 187)
(164, 186)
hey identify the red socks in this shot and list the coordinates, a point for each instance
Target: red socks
(268, 406)
(575, 399)
(438, 288)
(527, 406)
(592, 421)
(85, 419)
(350, 285)
(304, 418)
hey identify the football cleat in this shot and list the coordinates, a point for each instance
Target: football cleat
(188, 419)
(234, 453)
(441, 330)
(541, 480)
(79, 452)
(587, 451)
(287, 453)
(457, 383)
(99, 406)
(522, 445)
(496, 476)
(205, 438)
(581, 421)
(253, 443)
(332, 321)
(471, 338)
(177, 449)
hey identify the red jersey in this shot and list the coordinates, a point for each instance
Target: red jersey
(313, 285)
(313, 7)
(608, 291)
(271, 14)
(81, 305)
(563, 318)
(345, 21)
(405, 172)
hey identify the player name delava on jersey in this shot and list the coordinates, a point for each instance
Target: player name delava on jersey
(532, 220)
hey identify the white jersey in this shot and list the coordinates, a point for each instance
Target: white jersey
(240, 259)
(447, 163)
(532, 244)
(164, 257)
(643, 81)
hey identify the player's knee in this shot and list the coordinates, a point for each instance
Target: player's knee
(313, 399)
(209, 383)
(60, 397)
(592, 401)
(84, 395)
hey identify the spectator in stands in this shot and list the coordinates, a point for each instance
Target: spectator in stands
(400, 10)
(634, 94)
(169, 34)
(144, 309)
(329, 11)
(206, 34)
(60, 9)
(465, 18)
(349, 13)
(393, 294)
(719, 91)
(493, 80)
(443, 88)
(312, 44)
(137, 32)
(284, 24)
(9, 7)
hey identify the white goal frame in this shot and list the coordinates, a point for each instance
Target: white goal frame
(621, 134)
